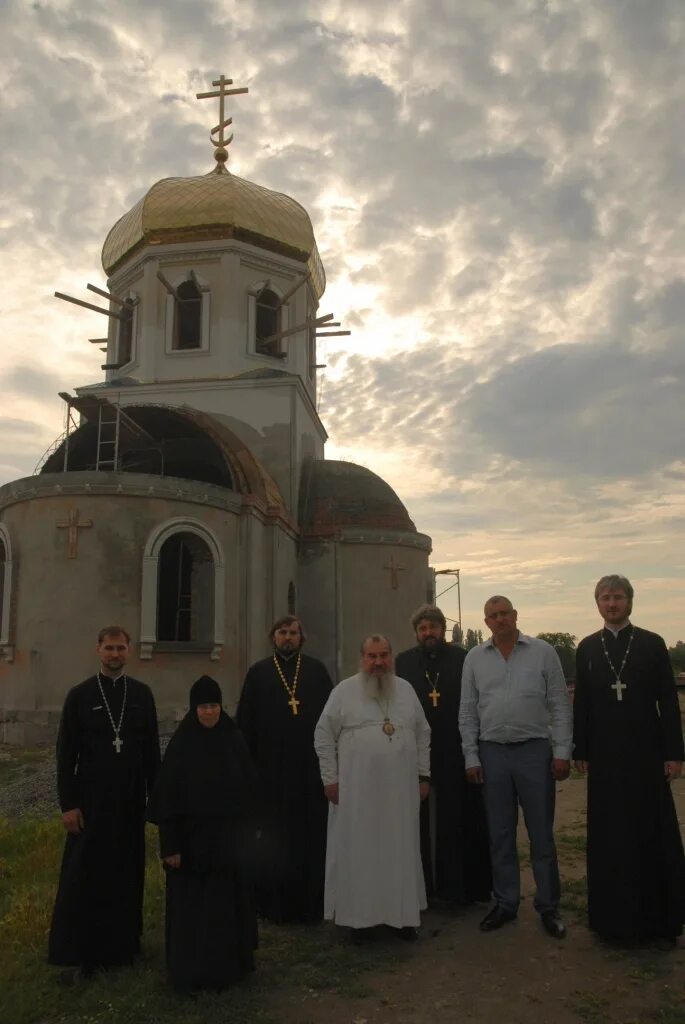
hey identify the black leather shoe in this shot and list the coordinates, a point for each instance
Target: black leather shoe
(553, 924)
(495, 918)
(407, 933)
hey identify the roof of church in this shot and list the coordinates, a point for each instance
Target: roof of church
(336, 494)
(214, 206)
(177, 442)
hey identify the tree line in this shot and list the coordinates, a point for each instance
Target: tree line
(565, 646)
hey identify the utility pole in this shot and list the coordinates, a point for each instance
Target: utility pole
(457, 583)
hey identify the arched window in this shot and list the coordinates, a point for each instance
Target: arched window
(187, 317)
(266, 316)
(6, 650)
(268, 322)
(125, 345)
(311, 351)
(292, 599)
(183, 587)
(185, 603)
(187, 311)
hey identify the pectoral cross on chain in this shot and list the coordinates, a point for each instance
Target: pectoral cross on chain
(117, 744)
(294, 704)
(619, 687)
(434, 696)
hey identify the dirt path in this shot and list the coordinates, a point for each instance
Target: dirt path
(517, 975)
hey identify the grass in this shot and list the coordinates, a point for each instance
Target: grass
(298, 960)
(574, 895)
(590, 1007)
(18, 761)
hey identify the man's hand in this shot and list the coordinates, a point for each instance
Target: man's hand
(475, 775)
(673, 770)
(332, 792)
(173, 860)
(582, 766)
(73, 820)
(560, 768)
(424, 789)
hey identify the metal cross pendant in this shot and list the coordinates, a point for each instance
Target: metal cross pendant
(619, 687)
(434, 696)
(117, 744)
(294, 704)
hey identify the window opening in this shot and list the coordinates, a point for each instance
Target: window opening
(185, 590)
(188, 317)
(125, 350)
(268, 322)
(3, 572)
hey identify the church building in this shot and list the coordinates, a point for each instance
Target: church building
(189, 499)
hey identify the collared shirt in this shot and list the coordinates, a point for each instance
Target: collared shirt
(510, 700)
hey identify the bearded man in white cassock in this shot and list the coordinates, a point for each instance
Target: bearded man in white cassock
(373, 745)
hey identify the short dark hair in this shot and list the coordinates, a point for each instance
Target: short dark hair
(287, 620)
(615, 582)
(376, 638)
(113, 631)
(498, 597)
(429, 612)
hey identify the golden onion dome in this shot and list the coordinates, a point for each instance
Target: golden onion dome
(213, 206)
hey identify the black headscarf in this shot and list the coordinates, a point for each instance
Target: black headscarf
(206, 772)
(205, 690)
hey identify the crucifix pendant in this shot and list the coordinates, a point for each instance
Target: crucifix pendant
(619, 687)
(117, 744)
(435, 697)
(294, 704)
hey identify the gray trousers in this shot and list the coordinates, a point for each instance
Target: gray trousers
(513, 774)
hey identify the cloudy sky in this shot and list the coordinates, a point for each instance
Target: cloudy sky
(498, 192)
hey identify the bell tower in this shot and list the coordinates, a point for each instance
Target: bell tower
(214, 285)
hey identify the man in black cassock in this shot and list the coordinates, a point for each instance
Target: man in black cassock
(454, 840)
(281, 702)
(628, 739)
(107, 759)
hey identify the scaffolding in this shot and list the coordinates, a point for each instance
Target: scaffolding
(114, 428)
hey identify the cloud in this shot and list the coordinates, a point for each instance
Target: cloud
(499, 195)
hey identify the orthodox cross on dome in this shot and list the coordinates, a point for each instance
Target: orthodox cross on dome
(73, 526)
(394, 568)
(218, 140)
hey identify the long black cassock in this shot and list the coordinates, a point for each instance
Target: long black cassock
(97, 920)
(458, 834)
(203, 802)
(294, 811)
(635, 864)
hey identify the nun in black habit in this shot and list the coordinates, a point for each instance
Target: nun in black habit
(203, 803)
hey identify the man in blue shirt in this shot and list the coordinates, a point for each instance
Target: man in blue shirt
(516, 726)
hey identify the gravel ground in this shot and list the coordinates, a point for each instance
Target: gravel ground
(29, 790)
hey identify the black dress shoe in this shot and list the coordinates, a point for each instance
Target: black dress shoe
(407, 933)
(553, 924)
(495, 918)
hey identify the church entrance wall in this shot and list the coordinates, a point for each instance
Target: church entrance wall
(79, 542)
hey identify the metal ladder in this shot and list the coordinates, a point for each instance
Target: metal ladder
(108, 438)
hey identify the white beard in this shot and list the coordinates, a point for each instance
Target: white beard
(378, 687)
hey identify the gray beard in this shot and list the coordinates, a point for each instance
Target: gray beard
(378, 688)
